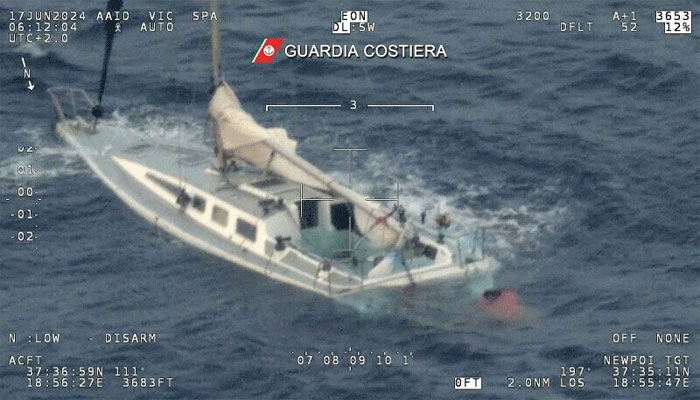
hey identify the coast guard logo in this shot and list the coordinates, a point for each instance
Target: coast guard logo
(268, 50)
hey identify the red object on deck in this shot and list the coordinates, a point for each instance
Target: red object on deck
(501, 303)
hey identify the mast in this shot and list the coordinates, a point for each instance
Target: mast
(110, 24)
(239, 137)
(215, 45)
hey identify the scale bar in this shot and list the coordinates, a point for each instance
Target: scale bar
(302, 199)
(380, 199)
(432, 106)
(268, 106)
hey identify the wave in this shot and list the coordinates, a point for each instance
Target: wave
(509, 229)
(520, 226)
(33, 49)
(51, 158)
(41, 57)
(157, 123)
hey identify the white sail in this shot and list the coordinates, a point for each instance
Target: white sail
(240, 137)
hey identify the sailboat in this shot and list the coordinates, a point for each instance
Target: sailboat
(257, 203)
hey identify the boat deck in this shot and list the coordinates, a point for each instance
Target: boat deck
(126, 160)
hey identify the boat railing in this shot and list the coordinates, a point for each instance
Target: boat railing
(470, 246)
(70, 103)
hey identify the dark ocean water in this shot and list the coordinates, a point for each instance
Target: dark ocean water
(579, 154)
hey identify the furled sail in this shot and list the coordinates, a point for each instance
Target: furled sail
(240, 137)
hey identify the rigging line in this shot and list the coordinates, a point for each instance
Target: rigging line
(206, 128)
(112, 5)
(459, 254)
(366, 231)
(371, 86)
(363, 235)
(402, 261)
(318, 270)
(110, 28)
(179, 159)
(272, 253)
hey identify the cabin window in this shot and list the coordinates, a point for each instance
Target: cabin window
(199, 203)
(342, 216)
(246, 229)
(430, 252)
(308, 211)
(219, 215)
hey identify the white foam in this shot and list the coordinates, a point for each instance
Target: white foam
(54, 158)
(514, 227)
(151, 122)
(33, 49)
(51, 157)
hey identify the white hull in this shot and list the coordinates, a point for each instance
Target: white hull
(140, 172)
